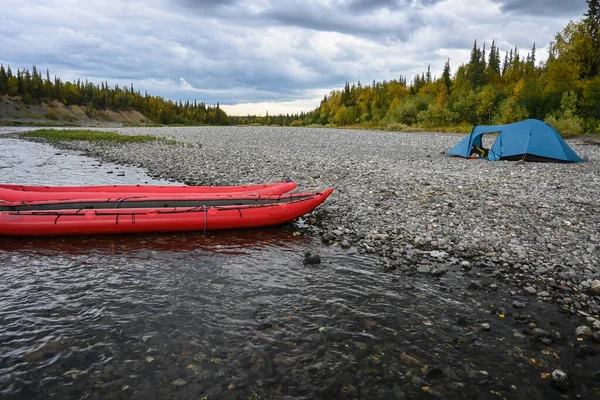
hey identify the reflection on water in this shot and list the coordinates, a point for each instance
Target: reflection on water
(226, 242)
(236, 315)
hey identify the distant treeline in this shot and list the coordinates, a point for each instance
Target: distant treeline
(33, 88)
(490, 89)
(564, 90)
(280, 120)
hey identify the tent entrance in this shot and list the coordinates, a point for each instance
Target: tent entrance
(482, 143)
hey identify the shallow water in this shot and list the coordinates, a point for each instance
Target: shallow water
(237, 315)
(39, 164)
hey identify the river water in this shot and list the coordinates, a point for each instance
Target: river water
(236, 315)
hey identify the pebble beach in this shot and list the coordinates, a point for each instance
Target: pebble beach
(533, 226)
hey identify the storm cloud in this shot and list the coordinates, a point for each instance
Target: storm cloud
(281, 55)
(559, 8)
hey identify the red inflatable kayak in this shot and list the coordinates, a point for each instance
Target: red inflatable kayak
(155, 214)
(10, 192)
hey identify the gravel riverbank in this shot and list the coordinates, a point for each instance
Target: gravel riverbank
(532, 226)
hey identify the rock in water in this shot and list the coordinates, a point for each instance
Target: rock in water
(560, 379)
(311, 258)
(583, 331)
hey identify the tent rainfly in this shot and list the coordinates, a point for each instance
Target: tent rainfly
(529, 140)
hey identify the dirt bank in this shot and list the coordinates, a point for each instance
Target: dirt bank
(14, 110)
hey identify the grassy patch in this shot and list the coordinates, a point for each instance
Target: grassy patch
(92, 136)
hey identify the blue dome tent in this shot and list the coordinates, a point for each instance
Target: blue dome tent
(529, 140)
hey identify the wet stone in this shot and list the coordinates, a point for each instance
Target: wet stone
(518, 304)
(424, 269)
(540, 333)
(329, 237)
(585, 350)
(439, 271)
(311, 258)
(595, 287)
(583, 331)
(530, 290)
(560, 379)
(136, 366)
(547, 341)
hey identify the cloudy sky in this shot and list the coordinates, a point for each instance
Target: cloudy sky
(253, 56)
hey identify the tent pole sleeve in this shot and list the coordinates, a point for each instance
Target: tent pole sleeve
(526, 144)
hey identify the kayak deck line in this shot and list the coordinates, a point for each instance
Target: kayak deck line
(153, 202)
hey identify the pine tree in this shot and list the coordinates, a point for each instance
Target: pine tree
(482, 59)
(3, 80)
(505, 63)
(592, 23)
(494, 60)
(474, 54)
(476, 66)
(20, 86)
(446, 78)
(346, 94)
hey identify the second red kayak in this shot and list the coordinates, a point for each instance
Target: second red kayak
(11, 192)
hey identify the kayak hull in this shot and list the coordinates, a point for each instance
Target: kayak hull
(131, 220)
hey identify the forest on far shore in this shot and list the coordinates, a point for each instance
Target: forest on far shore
(492, 88)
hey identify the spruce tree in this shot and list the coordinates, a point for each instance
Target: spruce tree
(446, 79)
(505, 63)
(494, 59)
(346, 94)
(592, 23)
(482, 60)
(20, 85)
(3, 80)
